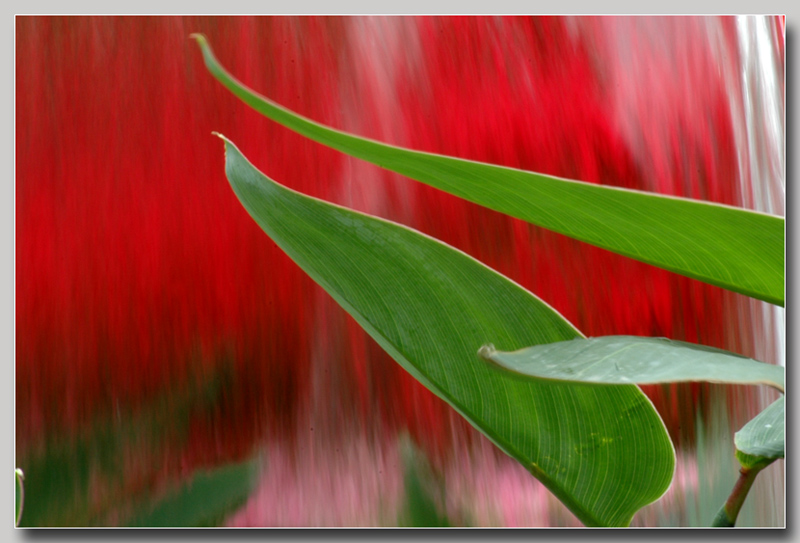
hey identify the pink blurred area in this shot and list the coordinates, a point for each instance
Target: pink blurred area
(142, 284)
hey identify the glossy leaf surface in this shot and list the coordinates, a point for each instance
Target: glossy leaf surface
(604, 452)
(631, 359)
(763, 439)
(729, 247)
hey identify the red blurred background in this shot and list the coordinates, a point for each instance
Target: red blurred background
(150, 306)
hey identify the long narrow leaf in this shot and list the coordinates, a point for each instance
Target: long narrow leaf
(603, 451)
(733, 248)
(632, 359)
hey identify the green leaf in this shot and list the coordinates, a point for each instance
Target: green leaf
(614, 360)
(762, 440)
(729, 247)
(205, 500)
(604, 452)
(421, 508)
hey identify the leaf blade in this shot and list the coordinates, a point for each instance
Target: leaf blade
(418, 299)
(729, 247)
(631, 359)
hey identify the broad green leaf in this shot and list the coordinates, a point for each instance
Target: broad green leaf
(733, 248)
(602, 450)
(762, 440)
(614, 360)
(205, 500)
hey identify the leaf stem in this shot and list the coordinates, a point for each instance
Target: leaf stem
(726, 518)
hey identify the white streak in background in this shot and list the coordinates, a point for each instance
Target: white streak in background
(756, 83)
(762, 163)
(761, 143)
(759, 119)
(755, 76)
(378, 51)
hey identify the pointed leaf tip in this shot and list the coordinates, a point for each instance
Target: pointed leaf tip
(199, 38)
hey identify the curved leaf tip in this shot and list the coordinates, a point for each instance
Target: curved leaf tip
(199, 38)
(486, 351)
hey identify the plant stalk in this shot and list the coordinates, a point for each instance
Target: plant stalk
(726, 518)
